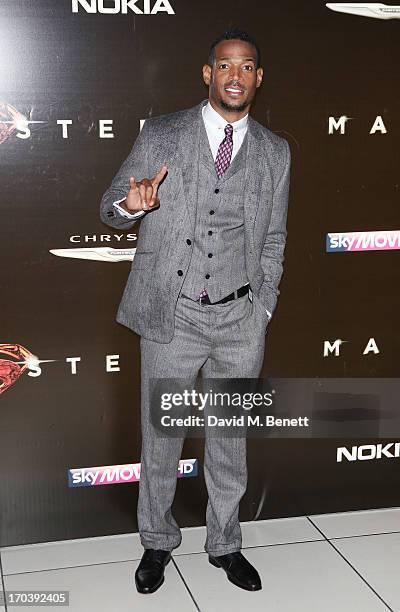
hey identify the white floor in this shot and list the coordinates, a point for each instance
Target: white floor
(324, 563)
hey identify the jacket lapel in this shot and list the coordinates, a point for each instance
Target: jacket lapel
(187, 157)
(257, 177)
(206, 156)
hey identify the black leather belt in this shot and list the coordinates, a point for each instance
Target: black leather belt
(232, 296)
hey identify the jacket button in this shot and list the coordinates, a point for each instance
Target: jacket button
(210, 232)
(207, 276)
(216, 190)
(210, 255)
(180, 272)
(188, 241)
(211, 212)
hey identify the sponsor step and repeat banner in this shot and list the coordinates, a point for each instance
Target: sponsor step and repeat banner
(78, 78)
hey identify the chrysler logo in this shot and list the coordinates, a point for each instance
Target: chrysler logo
(367, 9)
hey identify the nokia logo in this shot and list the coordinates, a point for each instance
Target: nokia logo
(112, 7)
(368, 452)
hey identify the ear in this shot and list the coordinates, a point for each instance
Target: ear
(260, 74)
(207, 74)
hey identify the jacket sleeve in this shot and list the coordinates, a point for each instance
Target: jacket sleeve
(137, 165)
(274, 245)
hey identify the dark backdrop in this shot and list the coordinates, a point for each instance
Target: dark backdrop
(58, 65)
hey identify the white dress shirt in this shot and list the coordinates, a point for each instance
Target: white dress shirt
(215, 126)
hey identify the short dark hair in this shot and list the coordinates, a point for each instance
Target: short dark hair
(234, 34)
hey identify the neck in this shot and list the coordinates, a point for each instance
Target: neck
(229, 116)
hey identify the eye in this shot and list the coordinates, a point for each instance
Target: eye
(223, 66)
(248, 67)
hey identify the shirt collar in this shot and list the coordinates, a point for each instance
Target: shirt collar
(211, 116)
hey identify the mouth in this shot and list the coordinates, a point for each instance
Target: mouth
(234, 92)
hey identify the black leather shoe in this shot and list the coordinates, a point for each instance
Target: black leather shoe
(238, 570)
(149, 575)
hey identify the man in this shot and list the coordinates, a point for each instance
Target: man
(203, 283)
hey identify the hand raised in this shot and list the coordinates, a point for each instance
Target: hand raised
(143, 194)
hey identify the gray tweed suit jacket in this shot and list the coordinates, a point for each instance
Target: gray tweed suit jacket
(162, 255)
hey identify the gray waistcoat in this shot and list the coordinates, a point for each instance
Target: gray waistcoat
(219, 254)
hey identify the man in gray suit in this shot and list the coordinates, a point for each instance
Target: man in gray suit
(203, 284)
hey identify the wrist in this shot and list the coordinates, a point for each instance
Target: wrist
(131, 211)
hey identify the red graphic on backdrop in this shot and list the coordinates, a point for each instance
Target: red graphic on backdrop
(11, 370)
(10, 118)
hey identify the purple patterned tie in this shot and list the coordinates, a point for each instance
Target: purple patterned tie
(224, 154)
(222, 162)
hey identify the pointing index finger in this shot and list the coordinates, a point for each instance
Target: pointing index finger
(159, 176)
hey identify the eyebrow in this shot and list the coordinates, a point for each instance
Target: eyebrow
(249, 59)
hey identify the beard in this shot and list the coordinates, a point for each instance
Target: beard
(235, 108)
(231, 108)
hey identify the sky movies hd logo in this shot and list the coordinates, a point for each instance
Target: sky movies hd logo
(384, 240)
(121, 474)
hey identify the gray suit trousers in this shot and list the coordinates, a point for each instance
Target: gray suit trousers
(220, 340)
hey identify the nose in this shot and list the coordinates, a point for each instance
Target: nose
(234, 73)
